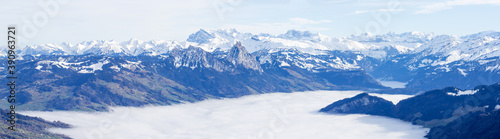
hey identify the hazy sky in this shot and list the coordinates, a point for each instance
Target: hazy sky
(75, 21)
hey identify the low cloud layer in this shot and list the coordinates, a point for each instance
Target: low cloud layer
(275, 115)
(394, 84)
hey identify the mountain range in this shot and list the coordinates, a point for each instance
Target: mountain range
(413, 57)
(226, 63)
(94, 82)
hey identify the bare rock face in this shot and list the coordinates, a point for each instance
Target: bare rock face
(239, 56)
(195, 57)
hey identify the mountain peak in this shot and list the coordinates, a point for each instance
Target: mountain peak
(200, 37)
(238, 55)
(195, 57)
(297, 35)
(483, 34)
(239, 46)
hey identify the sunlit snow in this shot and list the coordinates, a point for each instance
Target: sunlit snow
(466, 92)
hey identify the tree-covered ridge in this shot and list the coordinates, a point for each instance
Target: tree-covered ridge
(29, 127)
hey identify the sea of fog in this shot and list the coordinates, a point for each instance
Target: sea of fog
(265, 116)
(393, 84)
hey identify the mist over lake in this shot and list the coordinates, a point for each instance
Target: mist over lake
(273, 115)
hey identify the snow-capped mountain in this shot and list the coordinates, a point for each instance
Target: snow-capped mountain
(224, 39)
(446, 60)
(227, 63)
(315, 63)
(424, 60)
(133, 47)
(480, 46)
(377, 46)
(114, 77)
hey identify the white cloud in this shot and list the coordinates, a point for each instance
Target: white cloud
(394, 84)
(275, 115)
(379, 10)
(431, 8)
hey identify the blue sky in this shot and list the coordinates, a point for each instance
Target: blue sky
(75, 21)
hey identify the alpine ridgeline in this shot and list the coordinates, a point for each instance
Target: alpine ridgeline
(94, 82)
(226, 63)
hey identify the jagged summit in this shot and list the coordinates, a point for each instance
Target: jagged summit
(195, 57)
(238, 55)
(376, 46)
(239, 46)
(409, 56)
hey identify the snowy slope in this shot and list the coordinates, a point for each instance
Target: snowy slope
(224, 39)
(425, 49)
(378, 46)
(132, 47)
